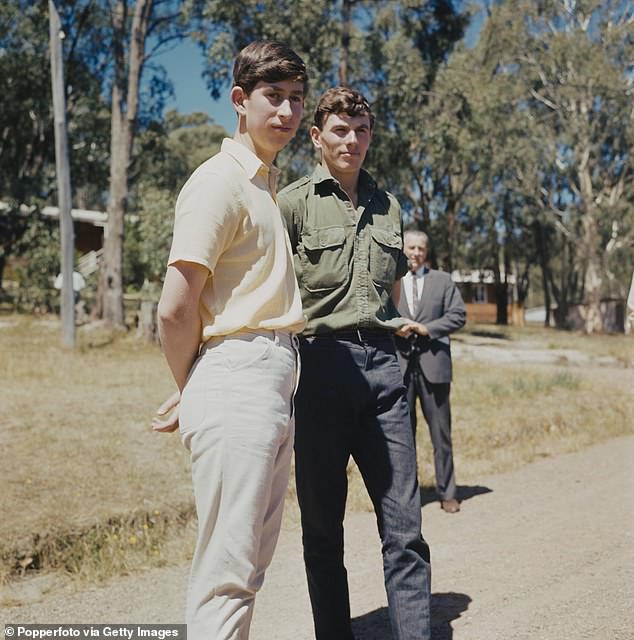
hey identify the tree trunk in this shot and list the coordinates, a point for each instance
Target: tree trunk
(589, 244)
(592, 278)
(125, 101)
(545, 268)
(502, 292)
(346, 6)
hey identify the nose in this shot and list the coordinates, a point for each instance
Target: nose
(351, 138)
(284, 109)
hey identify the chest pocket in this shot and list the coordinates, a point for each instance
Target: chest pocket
(322, 254)
(385, 250)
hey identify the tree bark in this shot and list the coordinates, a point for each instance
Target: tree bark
(346, 6)
(592, 276)
(545, 269)
(125, 103)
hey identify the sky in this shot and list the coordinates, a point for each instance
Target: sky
(184, 66)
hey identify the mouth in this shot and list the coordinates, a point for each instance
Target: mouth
(282, 129)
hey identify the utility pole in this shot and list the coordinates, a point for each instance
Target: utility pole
(63, 177)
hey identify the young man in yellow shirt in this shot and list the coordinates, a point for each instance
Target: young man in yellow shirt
(228, 315)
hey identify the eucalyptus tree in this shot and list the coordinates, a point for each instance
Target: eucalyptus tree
(572, 62)
(138, 29)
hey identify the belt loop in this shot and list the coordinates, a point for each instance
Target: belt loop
(276, 338)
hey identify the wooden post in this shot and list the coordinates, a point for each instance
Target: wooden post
(63, 177)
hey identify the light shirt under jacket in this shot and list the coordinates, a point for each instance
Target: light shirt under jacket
(227, 220)
(408, 286)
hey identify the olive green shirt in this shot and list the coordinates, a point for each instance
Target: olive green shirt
(346, 260)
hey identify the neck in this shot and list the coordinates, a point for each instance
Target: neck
(349, 182)
(242, 136)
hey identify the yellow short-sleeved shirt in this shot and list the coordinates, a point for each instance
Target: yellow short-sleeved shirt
(227, 220)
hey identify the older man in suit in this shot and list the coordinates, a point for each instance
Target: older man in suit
(430, 298)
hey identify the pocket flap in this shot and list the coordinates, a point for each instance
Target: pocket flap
(388, 237)
(323, 238)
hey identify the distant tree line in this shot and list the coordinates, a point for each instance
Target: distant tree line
(514, 151)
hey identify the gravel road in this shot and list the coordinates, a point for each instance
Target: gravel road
(543, 553)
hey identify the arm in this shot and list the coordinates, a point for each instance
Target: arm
(288, 216)
(179, 329)
(409, 326)
(179, 317)
(454, 316)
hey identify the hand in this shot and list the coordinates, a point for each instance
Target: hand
(412, 328)
(166, 418)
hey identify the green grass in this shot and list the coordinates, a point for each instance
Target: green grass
(89, 490)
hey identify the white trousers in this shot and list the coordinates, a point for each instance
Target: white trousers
(237, 421)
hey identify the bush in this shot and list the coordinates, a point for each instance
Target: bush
(37, 267)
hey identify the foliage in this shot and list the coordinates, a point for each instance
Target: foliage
(514, 152)
(35, 275)
(393, 53)
(170, 156)
(27, 160)
(569, 161)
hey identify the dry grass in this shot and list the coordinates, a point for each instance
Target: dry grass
(506, 416)
(617, 346)
(79, 462)
(88, 489)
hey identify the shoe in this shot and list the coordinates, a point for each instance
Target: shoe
(450, 506)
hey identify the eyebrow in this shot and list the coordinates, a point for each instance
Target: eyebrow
(277, 87)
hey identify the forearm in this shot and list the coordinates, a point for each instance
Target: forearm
(180, 339)
(179, 321)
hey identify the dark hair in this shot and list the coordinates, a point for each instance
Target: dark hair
(267, 62)
(341, 100)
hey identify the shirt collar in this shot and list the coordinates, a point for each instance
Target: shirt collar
(249, 161)
(321, 174)
(421, 272)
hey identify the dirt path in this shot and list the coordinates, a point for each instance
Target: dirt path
(543, 553)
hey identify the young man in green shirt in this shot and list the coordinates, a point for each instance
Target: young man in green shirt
(346, 236)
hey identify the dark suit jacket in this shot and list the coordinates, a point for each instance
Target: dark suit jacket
(442, 311)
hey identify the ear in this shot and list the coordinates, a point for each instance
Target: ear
(238, 96)
(315, 134)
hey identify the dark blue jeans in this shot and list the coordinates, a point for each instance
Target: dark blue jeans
(351, 402)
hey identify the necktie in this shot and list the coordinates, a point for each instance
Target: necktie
(414, 293)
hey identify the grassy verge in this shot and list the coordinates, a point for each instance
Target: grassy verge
(79, 462)
(506, 416)
(90, 491)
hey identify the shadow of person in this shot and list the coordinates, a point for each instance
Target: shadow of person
(463, 492)
(374, 625)
(445, 607)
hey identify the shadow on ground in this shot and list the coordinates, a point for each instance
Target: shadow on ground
(445, 608)
(483, 333)
(463, 492)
